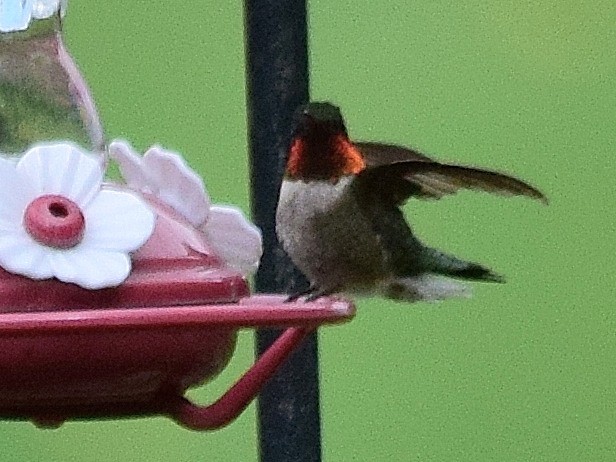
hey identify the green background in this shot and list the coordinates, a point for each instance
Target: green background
(521, 372)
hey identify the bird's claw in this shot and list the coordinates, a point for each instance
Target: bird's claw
(312, 294)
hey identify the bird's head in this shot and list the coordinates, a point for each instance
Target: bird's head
(320, 148)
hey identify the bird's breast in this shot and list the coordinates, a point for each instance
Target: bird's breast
(325, 232)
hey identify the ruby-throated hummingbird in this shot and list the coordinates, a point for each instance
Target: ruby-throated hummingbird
(339, 216)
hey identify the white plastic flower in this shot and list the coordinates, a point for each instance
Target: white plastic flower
(16, 15)
(166, 175)
(56, 221)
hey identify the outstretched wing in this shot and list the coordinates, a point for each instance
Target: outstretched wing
(401, 173)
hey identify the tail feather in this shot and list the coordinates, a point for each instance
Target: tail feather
(424, 287)
(448, 265)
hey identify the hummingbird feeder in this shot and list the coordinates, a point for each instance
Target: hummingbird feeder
(116, 297)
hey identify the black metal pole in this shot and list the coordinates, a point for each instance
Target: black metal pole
(277, 83)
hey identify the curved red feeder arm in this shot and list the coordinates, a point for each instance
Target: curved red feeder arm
(241, 394)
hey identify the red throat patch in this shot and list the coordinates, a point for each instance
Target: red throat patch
(324, 160)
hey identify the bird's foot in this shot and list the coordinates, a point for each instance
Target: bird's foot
(312, 294)
(301, 293)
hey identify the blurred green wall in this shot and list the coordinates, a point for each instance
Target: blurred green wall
(523, 371)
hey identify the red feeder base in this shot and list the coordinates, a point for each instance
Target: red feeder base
(111, 363)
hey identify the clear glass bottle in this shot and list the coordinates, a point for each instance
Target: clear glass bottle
(43, 96)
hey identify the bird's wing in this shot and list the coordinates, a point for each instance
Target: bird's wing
(419, 176)
(376, 154)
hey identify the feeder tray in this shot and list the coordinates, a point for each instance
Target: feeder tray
(133, 350)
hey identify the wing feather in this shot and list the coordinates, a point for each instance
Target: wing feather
(376, 154)
(391, 166)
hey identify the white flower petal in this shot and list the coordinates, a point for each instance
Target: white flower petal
(131, 167)
(234, 238)
(62, 168)
(16, 194)
(177, 184)
(117, 220)
(22, 255)
(14, 15)
(166, 175)
(42, 9)
(90, 268)
(9, 225)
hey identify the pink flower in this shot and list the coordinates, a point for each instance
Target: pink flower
(166, 175)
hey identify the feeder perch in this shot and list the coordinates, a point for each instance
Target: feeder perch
(116, 298)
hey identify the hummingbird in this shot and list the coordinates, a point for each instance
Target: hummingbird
(339, 214)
